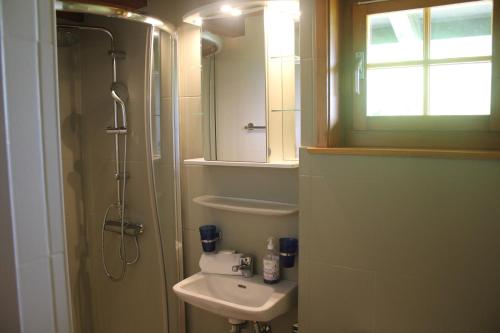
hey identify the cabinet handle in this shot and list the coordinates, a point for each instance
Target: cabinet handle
(251, 127)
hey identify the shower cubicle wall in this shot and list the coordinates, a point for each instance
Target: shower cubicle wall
(142, 301)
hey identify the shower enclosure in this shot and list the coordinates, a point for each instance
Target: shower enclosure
(118, 122)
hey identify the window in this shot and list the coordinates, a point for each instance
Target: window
(423, 74)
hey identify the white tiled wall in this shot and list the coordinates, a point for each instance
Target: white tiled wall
(33, 161)
(398, 244)
(190, 92)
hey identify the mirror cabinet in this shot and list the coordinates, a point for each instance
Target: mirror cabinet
(250, 80)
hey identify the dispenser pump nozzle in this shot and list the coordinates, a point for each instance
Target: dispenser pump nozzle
(270, 243)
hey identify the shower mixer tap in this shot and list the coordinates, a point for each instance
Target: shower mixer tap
(130, 229)
(116, 130)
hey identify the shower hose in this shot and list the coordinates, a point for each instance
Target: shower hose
(120, 207)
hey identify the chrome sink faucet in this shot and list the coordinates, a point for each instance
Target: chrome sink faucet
(245, 266)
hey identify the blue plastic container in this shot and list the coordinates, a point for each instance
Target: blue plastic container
(209, 236)
(288, 251)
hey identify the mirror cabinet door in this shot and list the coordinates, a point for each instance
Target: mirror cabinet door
(283, 72)
(251, 85)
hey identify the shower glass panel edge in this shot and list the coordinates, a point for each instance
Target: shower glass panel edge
(155, 39)
(177, 173)
(148, 103)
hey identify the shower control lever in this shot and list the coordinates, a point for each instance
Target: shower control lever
(116, 130)
(129, 229)
(121, 176)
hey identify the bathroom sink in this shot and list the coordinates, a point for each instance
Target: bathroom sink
(236, 297)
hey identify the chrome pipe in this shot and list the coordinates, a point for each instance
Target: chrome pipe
(112, 51)
(90, 28)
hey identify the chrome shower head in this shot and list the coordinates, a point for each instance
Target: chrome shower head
(211, 44)
(67, 37)
(119, 92)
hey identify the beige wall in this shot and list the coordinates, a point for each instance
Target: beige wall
(70, 108)
(399, 244)
(243, 232)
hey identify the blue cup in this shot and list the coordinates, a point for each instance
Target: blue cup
(209, 236)
(288, 251)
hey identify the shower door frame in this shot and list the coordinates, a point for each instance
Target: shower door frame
(176, 157)
(108, 11)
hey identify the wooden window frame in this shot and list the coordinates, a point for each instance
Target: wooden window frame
(440, 132)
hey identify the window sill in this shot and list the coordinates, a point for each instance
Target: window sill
(396, 152)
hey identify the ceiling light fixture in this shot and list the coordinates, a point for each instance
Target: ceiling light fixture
(235, 12)
(226, 8)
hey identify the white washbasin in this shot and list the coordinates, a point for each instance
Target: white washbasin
(237, 297)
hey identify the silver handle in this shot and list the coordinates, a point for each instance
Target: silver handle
(130, 229)
(360, 71)
(245, 266)
(251, 127)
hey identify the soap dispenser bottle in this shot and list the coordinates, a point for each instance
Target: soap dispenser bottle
(271, 263)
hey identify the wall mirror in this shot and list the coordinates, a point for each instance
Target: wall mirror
(250, 80)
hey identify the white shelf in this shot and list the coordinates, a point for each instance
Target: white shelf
(278, 165)
(247, 206)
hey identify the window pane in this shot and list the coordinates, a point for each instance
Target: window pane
(460, 89)
(461, 30)
(395, 36)
(395, 91)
